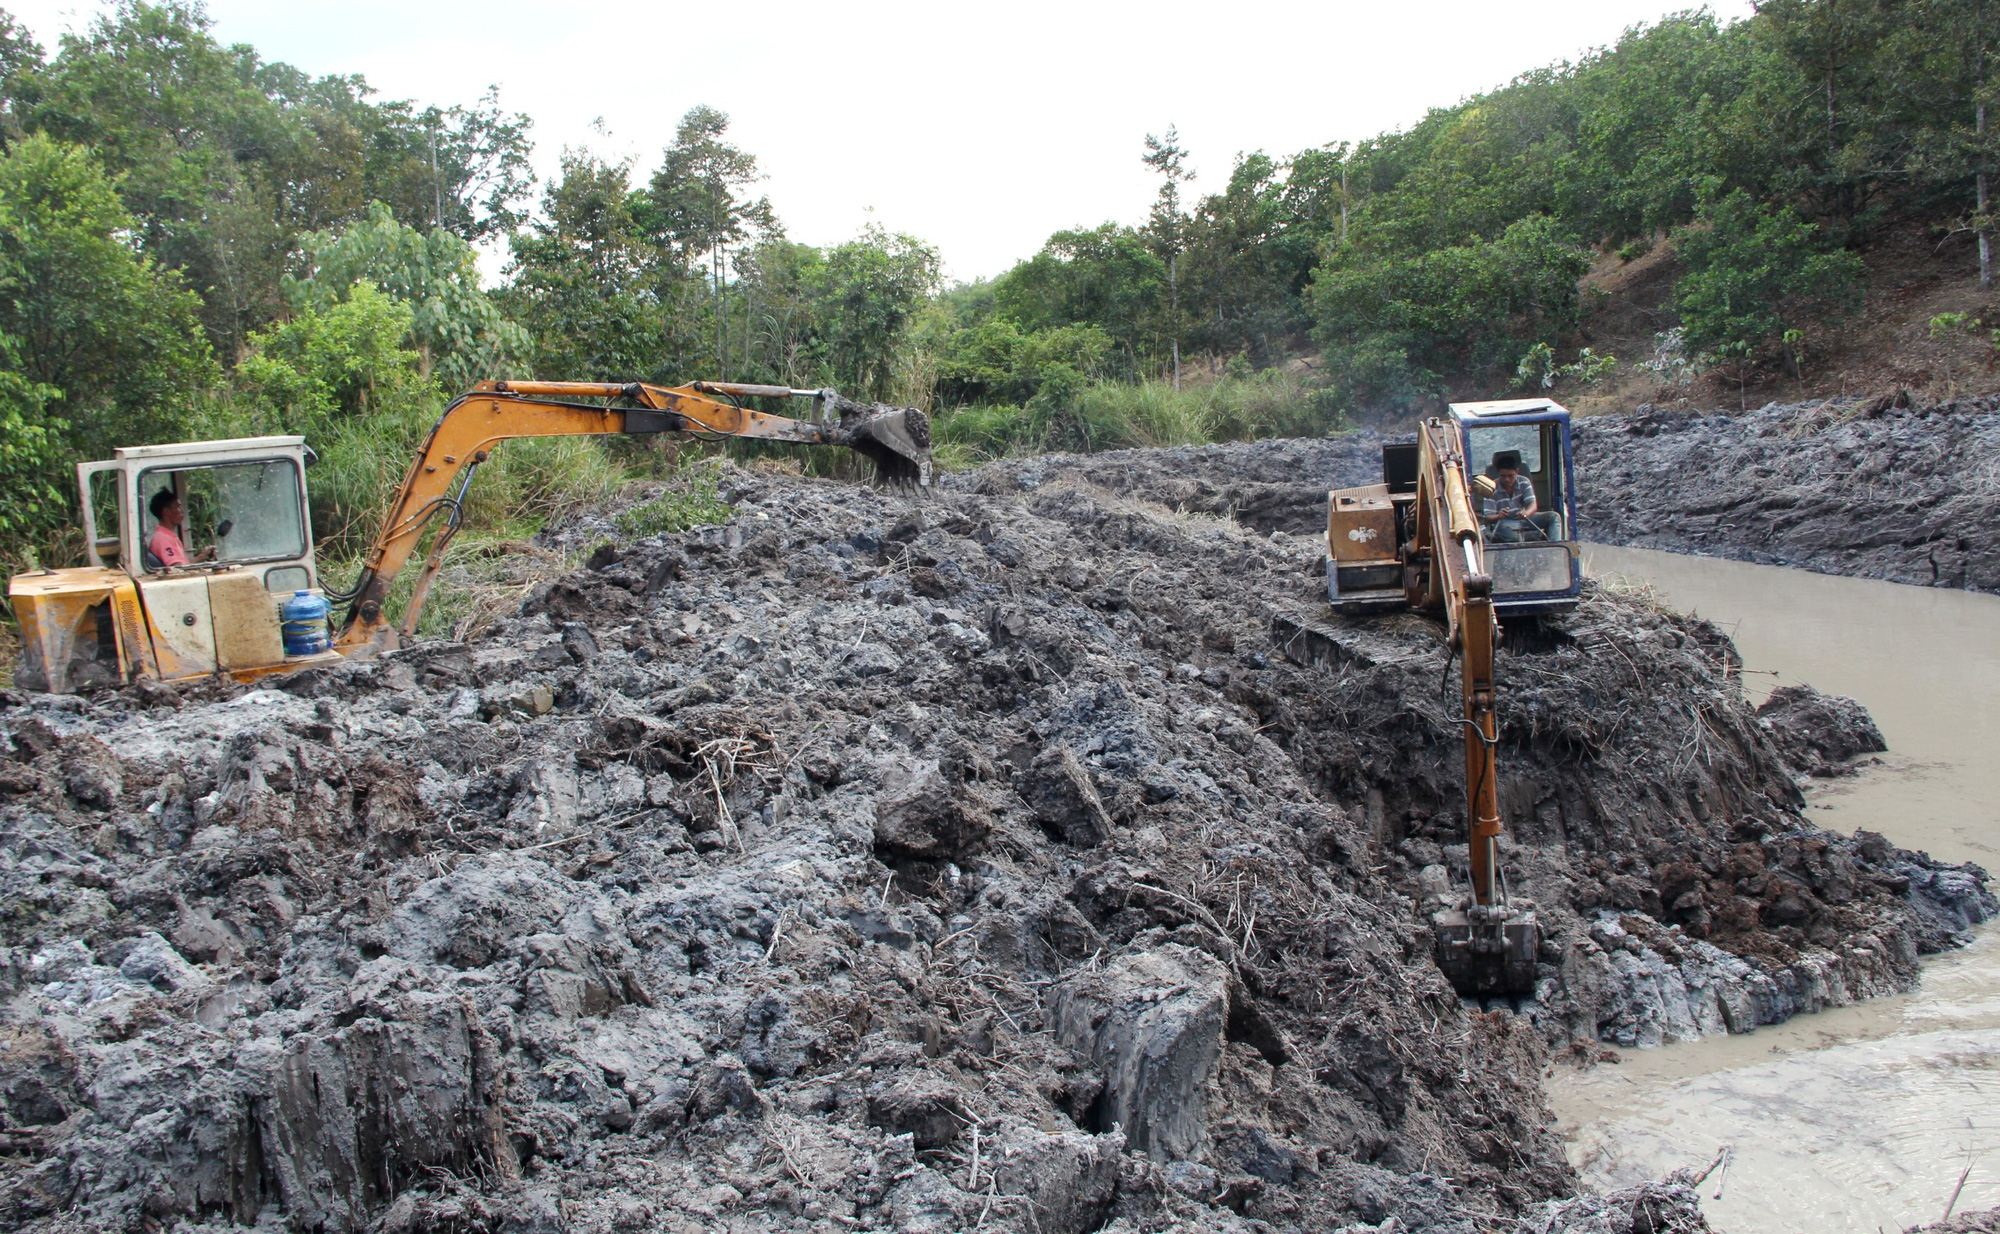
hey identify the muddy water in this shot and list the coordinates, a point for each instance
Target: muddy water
(1863, 1117)
(1925, 662)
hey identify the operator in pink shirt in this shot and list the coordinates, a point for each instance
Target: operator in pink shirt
(164, 545)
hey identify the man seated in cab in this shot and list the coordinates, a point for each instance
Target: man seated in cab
(164, 548)
(1509, 509)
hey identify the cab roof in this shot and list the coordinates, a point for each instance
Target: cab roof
(232, 445)
(1509, 407)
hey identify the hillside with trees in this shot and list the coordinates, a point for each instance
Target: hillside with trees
(196, 242)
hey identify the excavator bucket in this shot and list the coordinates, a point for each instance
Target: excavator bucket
(898, 439)
(1488, 949)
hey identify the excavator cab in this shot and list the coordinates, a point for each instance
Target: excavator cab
(1369, 529)
(128, 613)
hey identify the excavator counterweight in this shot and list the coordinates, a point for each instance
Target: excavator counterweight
(127, 614)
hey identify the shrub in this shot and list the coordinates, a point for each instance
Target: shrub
(1752, 274)
(692, 499)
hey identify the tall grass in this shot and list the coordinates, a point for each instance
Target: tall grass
(1120, 415)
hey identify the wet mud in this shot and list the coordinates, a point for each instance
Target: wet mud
(1036, 855)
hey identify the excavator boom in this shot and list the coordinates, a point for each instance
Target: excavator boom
(897, 439)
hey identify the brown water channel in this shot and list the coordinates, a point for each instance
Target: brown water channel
(1862, 1117)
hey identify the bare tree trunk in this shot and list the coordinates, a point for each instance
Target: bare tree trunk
(716, 258)
(437, 185)
(1343, 203)
(1174, 308)
(1985, 243)
(1979, 128)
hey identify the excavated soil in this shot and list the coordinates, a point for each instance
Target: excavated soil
(1040, 855)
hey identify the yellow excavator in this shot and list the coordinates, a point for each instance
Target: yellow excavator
(1418, 540)
(126, 615)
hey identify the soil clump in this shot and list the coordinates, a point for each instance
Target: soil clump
(1036, 854)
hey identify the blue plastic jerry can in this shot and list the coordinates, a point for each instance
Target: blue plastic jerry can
(303, 620)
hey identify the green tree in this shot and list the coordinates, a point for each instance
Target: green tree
(31, 461)
(224, 159)
(117, 337)
(1845, 148)
(177, 118)
(464, 170)
(457, 330)
(1250, 252)
(590, 285)
(20, 57)
(872, 287)
(1168, 225)
(840, 316)
(1108, 276)
(697, 203)
(1393, 326)
(1753, 273)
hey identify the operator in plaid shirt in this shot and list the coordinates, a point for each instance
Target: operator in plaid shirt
(1510, 512)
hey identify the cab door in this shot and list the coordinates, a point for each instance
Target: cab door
(101, 488)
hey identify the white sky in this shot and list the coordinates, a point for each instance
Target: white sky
(980, 129)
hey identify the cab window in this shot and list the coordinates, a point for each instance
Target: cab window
(248, 511)
(1541, 457)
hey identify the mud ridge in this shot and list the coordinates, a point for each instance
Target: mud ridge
(1034, 855)
(1860, 487)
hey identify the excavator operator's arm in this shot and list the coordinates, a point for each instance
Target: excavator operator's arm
(898, 439)
(1448, 528)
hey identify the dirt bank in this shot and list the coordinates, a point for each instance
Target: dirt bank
(1030, 855)
(1849, 486)
(1908, 494)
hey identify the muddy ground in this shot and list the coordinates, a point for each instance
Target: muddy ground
(1849, 486)
(1035, 855)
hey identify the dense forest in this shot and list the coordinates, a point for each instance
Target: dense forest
(197, 242)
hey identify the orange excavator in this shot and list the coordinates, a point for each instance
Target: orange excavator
(128, 615)
(1487, 943)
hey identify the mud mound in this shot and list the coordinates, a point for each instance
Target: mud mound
(1278, 485)
(1819, 734)
(1847, 486)
(1027, 856)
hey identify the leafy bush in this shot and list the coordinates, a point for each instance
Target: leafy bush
(999, 362)
(341, 375)
(692, 499)
(1673, 364)
(1538, 369)
(1753, 273)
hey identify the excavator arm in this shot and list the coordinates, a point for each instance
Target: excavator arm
(1489, 946)
(434, 488)
(1448, 530)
